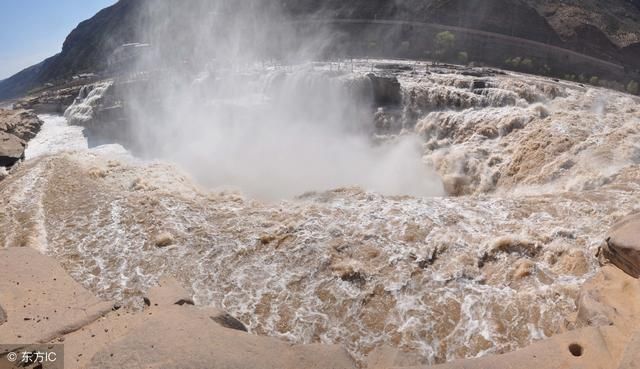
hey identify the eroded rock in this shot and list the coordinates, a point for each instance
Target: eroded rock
(16, 128)
(611, 297)
(11, 149)
(622, 247)
(23, 124)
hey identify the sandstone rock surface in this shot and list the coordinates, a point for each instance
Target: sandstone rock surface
(23, 124)
(41, 301)
(631, 357)
(187, 337)
(611, 297)
(44, 305)
(623, 245)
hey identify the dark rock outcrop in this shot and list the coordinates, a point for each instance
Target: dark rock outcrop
(386, 90)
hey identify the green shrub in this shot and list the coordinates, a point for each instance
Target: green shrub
(633, 87)
(527, 64)
(444, 42)
(463, 57)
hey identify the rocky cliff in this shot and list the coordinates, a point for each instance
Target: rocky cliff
(608, 30)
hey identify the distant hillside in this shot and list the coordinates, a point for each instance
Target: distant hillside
(606, 29)
(85, 49)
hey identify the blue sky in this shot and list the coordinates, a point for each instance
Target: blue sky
(33, 30)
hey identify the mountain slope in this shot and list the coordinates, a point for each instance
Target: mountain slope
(85, 49)
(608, 29)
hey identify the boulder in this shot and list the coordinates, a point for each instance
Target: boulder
(23, 124)
(11, 149)
(164, 239)
(622, 247)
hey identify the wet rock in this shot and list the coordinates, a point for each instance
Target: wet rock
(524, 268)
(513, 245)
(386, 90)
(23, 124)
(479, 84)
(394, 67)
(573, 263)
(16, 128)
(164, 239)
(622, 246)
(11, 149)
(349, 271)
(230, 322)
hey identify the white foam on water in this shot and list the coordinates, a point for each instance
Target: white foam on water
(56, 136)
(438, 276)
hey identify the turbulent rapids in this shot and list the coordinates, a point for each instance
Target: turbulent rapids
(534, 171)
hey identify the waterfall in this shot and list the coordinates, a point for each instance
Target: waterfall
(84, 106)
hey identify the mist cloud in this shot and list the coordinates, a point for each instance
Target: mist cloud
(236, 99)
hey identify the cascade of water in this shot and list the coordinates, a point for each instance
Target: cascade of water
(89, 98)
